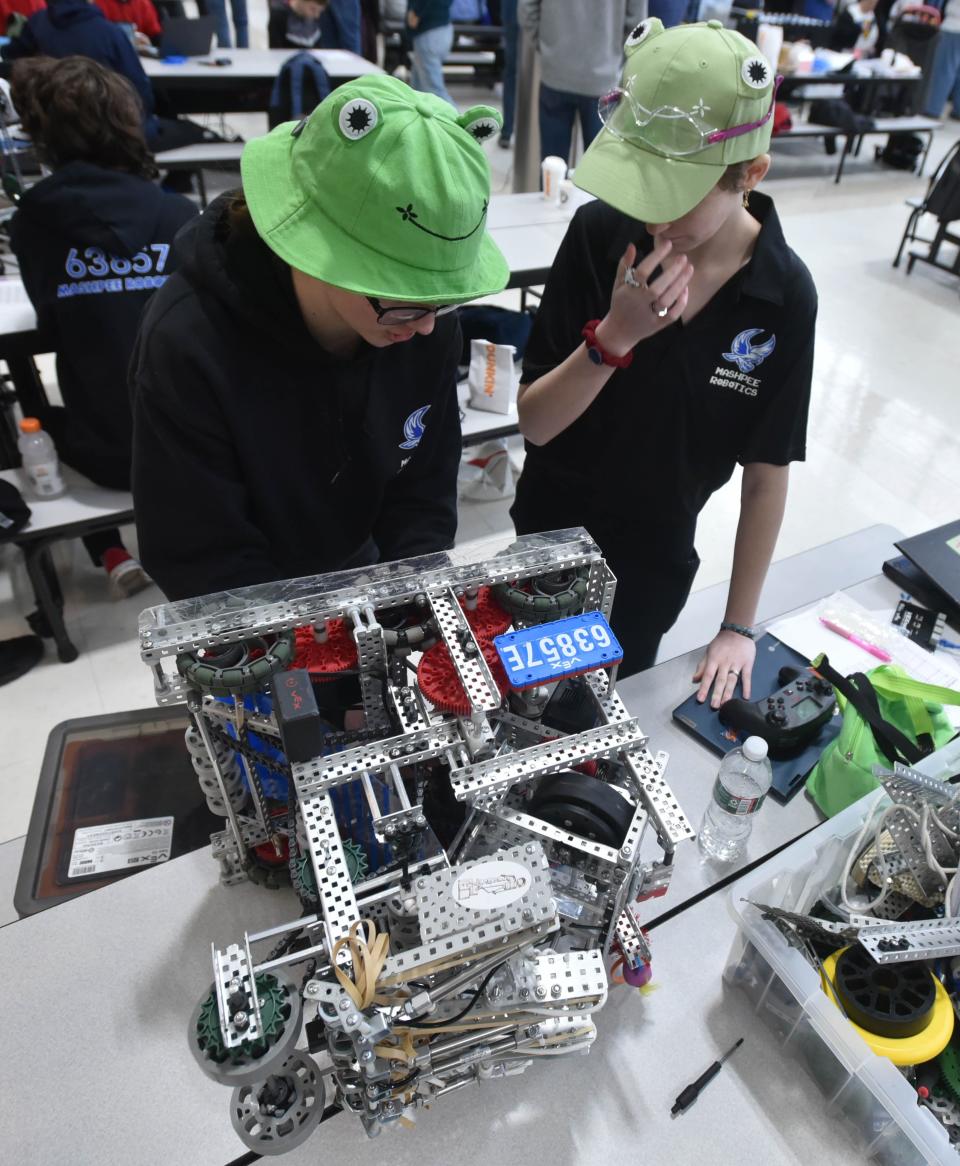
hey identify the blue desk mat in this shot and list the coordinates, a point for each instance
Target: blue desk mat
(704, 722)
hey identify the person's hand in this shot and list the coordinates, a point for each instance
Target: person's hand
(729, 658)
(412, 19)
(635, 307)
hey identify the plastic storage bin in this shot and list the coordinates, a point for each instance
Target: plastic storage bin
(868, 1092)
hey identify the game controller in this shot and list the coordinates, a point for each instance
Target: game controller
(790, 718)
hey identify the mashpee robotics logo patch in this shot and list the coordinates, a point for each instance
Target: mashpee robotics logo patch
(747, 356)
(414, 428)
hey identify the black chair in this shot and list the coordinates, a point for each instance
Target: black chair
(942, 200)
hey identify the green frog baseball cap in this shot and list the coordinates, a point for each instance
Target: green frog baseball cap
(382, 191)
(691, 101)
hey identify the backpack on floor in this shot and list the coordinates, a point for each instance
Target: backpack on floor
(901, 151)
(301, 85)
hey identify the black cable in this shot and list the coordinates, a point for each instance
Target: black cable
(460, 1015)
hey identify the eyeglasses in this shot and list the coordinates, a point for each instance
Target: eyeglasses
(668, 129)
(393, 316)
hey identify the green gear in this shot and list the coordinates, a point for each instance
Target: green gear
(949, 1065)
(274, 1013)
(356, 858)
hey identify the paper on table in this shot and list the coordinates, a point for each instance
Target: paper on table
(806, 634)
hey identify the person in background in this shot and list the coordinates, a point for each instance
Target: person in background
(67, 28)
(300, 368)
(141, 14)
(945, 72)
(218, 10)
(508, 19)
(93, 241)
(431, 33)
(674, 340)
(295, 24)
(581, 47)
(340, 26)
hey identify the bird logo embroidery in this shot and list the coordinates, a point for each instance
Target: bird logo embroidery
(745, 355)
(414, 427)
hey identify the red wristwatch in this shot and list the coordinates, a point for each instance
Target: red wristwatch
(597, 353)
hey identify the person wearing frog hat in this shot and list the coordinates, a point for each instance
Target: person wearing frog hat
(674, 340)
(294, 382)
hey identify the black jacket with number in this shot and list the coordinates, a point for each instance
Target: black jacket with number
(93, 245)
(259, 456)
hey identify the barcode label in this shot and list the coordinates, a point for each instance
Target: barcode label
(119, 845)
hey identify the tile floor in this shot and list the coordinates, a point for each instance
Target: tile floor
(884, 441)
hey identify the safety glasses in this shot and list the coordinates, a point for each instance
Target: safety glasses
(672, 131)
(394, 316)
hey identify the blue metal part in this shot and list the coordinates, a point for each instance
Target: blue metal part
(564, 647)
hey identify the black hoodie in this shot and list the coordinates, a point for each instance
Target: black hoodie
(258, 455)
(93, 245)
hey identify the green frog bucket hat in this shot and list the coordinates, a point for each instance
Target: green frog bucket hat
(691, 101)
(382, 191)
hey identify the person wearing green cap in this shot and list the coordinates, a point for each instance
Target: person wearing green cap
(674, 340)
(294, 382)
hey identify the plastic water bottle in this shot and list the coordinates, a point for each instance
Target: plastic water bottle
(40, 461)
(742, 783)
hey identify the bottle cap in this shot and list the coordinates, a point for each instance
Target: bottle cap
(754, 748)
(30, 425)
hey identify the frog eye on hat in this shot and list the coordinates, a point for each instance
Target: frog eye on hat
(644, 30)
(481, 122)
(756, 72)
(357, 118)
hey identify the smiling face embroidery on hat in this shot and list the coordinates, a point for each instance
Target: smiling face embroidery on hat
(409, 215)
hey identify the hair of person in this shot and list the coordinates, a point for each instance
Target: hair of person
(238, 219)
(735, 176)
(75, 110)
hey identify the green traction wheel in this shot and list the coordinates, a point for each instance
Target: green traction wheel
(231, 671)
(281, 1011)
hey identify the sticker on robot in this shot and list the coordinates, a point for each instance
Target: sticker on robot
(493, 376)
(101, 850)
(491, 885)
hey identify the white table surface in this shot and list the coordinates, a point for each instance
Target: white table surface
(16, 311)
(99, 992)
(203, 153)
(82, 501)
(259, 63)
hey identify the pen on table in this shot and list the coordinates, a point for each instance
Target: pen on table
(871, 648)
(689, 1095)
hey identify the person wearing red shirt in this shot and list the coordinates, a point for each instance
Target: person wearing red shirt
(140, 13)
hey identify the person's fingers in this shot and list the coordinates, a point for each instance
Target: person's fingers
(668, 298)
(746, 678)
(707, 674)
(627, 259)
(699, 672)
(723, 689)
(649, 265)
(660, 287)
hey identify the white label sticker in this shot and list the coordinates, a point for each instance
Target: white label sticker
(98, 850)
(491, 884)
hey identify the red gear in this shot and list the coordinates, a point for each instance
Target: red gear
(440, 684)
(488, 619)
(324, 661)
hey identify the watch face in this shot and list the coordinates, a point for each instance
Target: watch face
(594, 355)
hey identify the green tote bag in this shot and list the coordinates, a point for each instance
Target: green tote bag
(887, 716)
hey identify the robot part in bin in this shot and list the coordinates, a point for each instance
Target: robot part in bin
(466, 856)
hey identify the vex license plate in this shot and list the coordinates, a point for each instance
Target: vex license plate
(563, 647)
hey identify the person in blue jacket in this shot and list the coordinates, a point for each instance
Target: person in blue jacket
(74, 28)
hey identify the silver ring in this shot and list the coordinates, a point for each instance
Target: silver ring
(630, 279)
(733, 672)
(659, 312)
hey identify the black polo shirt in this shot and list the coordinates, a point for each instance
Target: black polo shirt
(731, 386)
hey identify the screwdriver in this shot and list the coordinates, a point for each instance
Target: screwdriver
(692, 1092)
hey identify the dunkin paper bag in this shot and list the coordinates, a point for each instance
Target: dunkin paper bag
(493, 376)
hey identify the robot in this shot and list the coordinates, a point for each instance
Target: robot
(433, 755)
